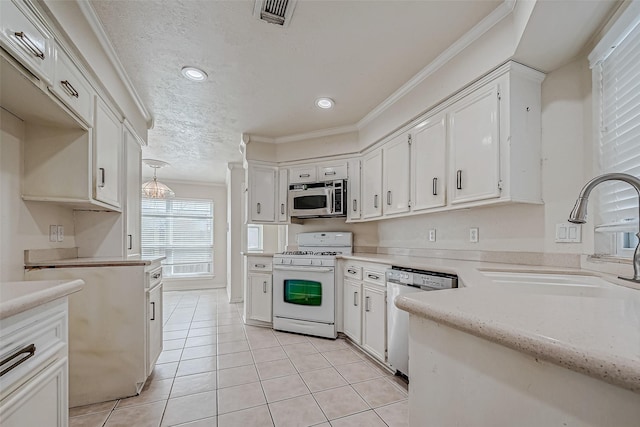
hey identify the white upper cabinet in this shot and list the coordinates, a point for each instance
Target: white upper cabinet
(71, 87)
(395, 174)
(332, 171)
(107, 137)
(372, 185)
(283, 192)
(354, 206)
(475, 146)
(303, 174)
(133, 168)
(261, 181)
(26, 38)
(318, 172)
(428, 150)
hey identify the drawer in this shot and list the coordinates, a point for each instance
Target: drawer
(26, 38)
(70, 87)
(331, 172)
(353, 271)
(39, 337)
(374, 276)
(154, 277)
(302, 174)
(256, 263)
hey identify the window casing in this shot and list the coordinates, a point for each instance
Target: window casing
(616, 82)
(182, 231)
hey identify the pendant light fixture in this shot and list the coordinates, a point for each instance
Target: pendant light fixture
(154, 189)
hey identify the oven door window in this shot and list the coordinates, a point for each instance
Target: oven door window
(303, 292)
(310, 202)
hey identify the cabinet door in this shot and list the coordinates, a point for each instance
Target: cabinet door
(283, 192)
(262, 194)
(302, 175)
(374, 332)
(396, 154)
(372, 185)
(352, 293)
(133, 179)
(428, 164)
(107, 154)
(330, 172)
(474, 139)
(71, 87)
(154, 324)
(42, 401)
(353, 192)
(260, 299)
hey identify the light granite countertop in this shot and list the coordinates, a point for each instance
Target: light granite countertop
(592, 330)
(16, 297)
(91, 262)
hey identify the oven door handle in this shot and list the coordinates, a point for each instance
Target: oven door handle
(304, 269)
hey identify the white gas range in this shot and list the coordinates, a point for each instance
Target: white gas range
(304, 284)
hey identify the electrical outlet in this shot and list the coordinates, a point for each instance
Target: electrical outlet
(60, 233)
(474, 235)
(567, 232)
(53, 233)
(432, 235)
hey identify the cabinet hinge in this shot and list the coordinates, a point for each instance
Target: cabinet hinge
(409, 139)
(409, 203)
(500, 185)
(499, 96)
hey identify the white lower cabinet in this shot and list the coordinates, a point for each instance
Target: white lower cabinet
(154, 318)
(34, 386)
(352, 310)
(374, 320)
(258, 290)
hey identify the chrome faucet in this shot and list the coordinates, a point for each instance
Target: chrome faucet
(579, 213)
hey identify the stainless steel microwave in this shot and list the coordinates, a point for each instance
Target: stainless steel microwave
(318, 199)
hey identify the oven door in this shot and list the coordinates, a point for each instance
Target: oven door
(304, 293)
(310, 202)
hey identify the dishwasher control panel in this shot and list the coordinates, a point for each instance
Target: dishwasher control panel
(428, 280)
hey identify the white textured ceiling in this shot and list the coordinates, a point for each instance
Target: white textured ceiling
(263, 79)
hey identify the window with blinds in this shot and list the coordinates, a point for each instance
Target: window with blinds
(182, 231)
(617, 76)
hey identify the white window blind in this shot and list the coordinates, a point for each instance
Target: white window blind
(182, 231)
(254, 237)
(619, 98)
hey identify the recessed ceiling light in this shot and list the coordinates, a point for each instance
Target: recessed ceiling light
(195, 74)
(324, 103)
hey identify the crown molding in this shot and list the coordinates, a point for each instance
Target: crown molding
(497, 15)
(304, 136)
(94, 22)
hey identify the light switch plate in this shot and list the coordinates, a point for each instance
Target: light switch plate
(60, 233)
(474, 235)
(567, 232)
(53, 233)
(432, 235)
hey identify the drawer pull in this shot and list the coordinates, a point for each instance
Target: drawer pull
(304, 175)
(69, 88)
(156, 276)
(330, 173)
(351, 271)
(29, 44)
(153, 310)
(30, 349)
(259, 265)
(373, 276)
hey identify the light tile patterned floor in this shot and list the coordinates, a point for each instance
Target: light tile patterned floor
(215, 371)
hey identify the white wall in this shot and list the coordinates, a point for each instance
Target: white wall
(24, 225)
(218, 193)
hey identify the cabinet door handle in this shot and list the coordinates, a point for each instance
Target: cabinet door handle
(375, 201)
(366, 304)
(30, 349)
(156, 276)
(29, 44)
(102, 177)
(153, 310)
(130, 236)
(435, 186)
(373, 276)
(355, 299)
(258, 208)
(69, 88)
(351, 271)
(304, 175)
(282, 208)
(330, 173)
(459, 179)
(259, 265)
(264, 287)
(389, 198)
(355, 205)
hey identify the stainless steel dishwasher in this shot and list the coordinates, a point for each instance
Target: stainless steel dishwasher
(402, 281)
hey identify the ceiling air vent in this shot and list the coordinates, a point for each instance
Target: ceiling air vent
(274, 11)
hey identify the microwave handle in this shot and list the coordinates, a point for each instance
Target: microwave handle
(333, 202)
